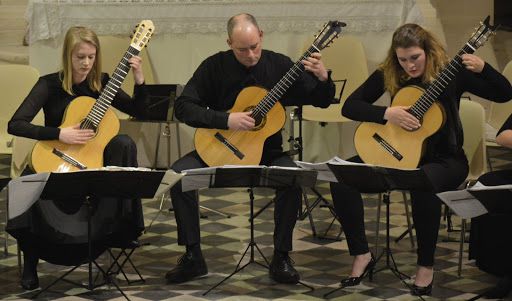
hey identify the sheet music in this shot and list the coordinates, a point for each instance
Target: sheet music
(197, 178)
(170, 178)
(24, 192)
(463, 203)
(339, 161)
(479, 187)
(324, 172)
(204, 177)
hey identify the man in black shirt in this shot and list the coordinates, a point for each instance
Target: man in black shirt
(204, 103)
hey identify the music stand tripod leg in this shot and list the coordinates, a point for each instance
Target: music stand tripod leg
(250, 247)
(215, 211)
(390, 260)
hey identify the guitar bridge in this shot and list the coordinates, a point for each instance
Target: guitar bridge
(390, 149)
(69, 159)
(230, 146)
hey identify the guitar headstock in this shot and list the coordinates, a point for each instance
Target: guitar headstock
(329, 32)
(482, 33)
(142, 34)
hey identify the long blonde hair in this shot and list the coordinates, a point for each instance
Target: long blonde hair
(410, 35)
(74, 36)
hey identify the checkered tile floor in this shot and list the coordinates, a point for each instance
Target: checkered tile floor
(321, 262)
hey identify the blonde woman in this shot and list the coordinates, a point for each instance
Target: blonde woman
(52, 230)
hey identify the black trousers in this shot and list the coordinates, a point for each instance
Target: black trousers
(444, 174)
(186, 206)
(54, 230)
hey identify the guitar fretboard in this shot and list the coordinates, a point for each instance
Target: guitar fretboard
(103, 102)
(439, 84)
(266, 104)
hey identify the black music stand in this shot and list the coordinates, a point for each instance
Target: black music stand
(94, 184)
(258, 176)
(376, 179)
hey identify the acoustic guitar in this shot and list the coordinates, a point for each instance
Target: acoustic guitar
(90, 113)
(231, 147)
(392, 146)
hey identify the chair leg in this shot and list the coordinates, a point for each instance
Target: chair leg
(461, 246)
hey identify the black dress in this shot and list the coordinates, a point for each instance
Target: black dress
(56, 230)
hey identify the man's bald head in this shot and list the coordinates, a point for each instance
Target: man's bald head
(241, 22)
(244, 38)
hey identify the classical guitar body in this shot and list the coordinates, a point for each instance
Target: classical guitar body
(45, 155)
(228, 147)
(392, 146)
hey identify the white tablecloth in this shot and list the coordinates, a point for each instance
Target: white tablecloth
(188, 31)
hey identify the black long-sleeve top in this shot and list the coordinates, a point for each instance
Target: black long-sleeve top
(218, 80)
(47, 94)
(489, 84)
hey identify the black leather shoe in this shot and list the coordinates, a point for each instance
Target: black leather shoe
(368, 271)
(282, 270)
(421, 290)
(189, 267)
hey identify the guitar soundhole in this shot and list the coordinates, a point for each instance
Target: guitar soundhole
(86, 124)
(259, 119)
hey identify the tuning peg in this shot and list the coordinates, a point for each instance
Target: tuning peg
(131, 36)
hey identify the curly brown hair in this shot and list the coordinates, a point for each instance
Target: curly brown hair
(410, 35)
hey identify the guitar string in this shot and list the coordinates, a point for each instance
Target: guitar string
(437, 87)
(102, 104)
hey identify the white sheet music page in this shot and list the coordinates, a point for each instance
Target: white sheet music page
(324, 172)
(479, 186)
(463, 203)
(197, 178)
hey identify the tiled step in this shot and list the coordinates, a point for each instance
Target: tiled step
(14, 54)
(11, 37)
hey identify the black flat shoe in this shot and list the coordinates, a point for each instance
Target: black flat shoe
(368, 271)
(422, 290)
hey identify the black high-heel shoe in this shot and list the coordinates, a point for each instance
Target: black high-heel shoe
(422, 290)
(368, 271)
(29, 280)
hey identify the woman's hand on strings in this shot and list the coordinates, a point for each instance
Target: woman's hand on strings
(399, 115)
(75, 135)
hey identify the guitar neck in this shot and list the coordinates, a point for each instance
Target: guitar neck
(103, 102)
(440, 83)
(283, 85)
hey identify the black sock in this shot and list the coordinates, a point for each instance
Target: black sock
(280, 253)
